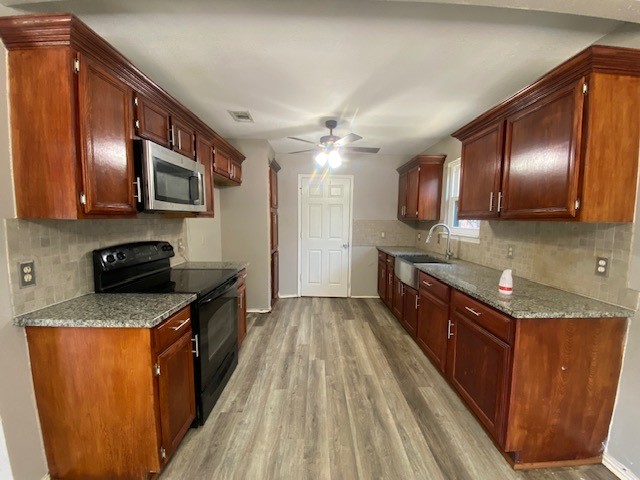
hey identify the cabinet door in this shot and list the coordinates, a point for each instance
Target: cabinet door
(480, 372)
(431, 336)
(273, 187)
(221, 162)
(402, 196)
(413, 188)
(398, 297)
(275, 277)
(204, 155)
(389, 289)
(480, 170)
(410, 310)
(236, 172)
(176, 392)
(183, 137)
(274, 230)
(242, 313)
(382, 279)
(152, 121)
(105, 125)
(542, 157)
(430, 193)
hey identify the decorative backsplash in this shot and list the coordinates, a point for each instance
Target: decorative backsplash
(558, 254)
(369, 233)
(62, 253)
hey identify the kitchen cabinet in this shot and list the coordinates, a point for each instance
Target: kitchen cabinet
(273, 185)
(410, 306)
(242, 306)
(275, 277)
(397, 302)
(236, 172)
(221, 163)
(183, 137)
(420, 188)
(564, 148)
(204, 155)
(274, 168)
(388, 299)
(382, 275)
(135, 386)
(86, 102)
(274, 230)
(433, 319)
(227, 168)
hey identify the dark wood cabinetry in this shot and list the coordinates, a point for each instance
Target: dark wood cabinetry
(274, 168)
(273, 186)
(135, 386)
(275, 277)
(433, 319)
(242, 306)
(221, 163)
(410, 310)
(227, 168)
(388, 299)
(420, 188)
(86, 102)
(382, 275)
(204, 155)
(397, 301)
(566, 147)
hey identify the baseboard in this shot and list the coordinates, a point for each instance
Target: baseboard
(289, 296)
(258, 310)
(617, 468)
(364, 296)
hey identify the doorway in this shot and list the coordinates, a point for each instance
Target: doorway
(325, 210)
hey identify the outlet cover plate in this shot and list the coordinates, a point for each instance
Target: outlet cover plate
(602, 267)
(27, 272)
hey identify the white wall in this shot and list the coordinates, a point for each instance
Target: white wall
(204, 235)
(245, 221)
(375, 196)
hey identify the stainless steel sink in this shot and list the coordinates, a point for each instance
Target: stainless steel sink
(405, 267)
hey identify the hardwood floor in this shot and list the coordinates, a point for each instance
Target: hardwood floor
(335, 388)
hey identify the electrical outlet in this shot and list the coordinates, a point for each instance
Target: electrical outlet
(602, 266)
(510, 251)
(382, 234)
(27, 273)
(419, 236)
(180, 246)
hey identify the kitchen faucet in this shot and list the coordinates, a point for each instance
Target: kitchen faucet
(448, 254)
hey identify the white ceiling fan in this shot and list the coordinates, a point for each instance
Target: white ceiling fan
(330, 146)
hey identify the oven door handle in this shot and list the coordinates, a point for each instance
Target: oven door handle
(220, 291)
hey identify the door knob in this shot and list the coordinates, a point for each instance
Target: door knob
(345, 245)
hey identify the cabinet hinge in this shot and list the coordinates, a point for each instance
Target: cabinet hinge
(83, 199)
(577, 204)
(163, 453)
(135, 101)
(76, 65)
(156, 369)
(585, 89)
(138, 124)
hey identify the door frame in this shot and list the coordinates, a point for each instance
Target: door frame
(301, 177)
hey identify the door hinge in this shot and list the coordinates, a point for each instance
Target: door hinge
(83, 199)
(585, 89)
(156, 369)
(138, 124)
(76, 65)
(135, 101)
(163, 453)
(577, 204)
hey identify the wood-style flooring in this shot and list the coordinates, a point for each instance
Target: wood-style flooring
(335, 388)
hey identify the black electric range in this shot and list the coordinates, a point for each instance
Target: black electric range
(144, 267)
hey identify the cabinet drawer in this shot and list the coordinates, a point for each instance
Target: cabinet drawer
(171, 329)
(242, 277)
(430, 285)
(496, 323)
(382, 256)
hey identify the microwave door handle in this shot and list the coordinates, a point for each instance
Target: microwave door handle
(194, 189)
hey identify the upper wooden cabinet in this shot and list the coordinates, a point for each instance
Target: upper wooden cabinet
(566, 147)
(75, 105)
(273, 185)
(227, 167)
(204, 155)
(420, 188)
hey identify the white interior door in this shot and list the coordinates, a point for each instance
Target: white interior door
(325, 235)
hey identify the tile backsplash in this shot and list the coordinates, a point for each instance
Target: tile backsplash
(62, 250)
(558, 254)
(369, 233)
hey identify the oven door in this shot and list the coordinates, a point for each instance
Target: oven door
(217, 331)
(171, 182)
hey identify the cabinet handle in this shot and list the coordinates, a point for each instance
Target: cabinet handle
(184, 322)
(427, 283)
(179, 140)
(138, 190)
(195, 342)
(491, 202)
(477, 314)
(449, 332)
(172, 136)
(417, 302)
(499, 201)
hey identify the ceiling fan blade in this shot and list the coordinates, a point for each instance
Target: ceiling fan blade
(301, 140)
(352, 137)
(361, 149)
(302, 151)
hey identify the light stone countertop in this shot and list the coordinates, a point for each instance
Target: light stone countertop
(109, 310)
(529, 299)
(212, 265)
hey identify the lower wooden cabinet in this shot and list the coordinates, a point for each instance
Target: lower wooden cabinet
(432, 328)
(113, 402)
(397, 303)
(388, 299)
(242, 306)
(382, 277)
(410, 305)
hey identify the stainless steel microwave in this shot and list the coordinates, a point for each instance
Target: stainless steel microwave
(167, 181)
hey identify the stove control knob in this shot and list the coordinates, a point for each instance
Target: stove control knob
(110, 258)
(121, 255)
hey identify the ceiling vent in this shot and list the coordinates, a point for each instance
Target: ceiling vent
(241, 116)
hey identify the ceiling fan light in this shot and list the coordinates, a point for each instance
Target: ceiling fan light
(335, 160)
(321, 159)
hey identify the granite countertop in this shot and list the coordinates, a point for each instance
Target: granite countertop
(212, 265)
(109, 310)
(529, 299)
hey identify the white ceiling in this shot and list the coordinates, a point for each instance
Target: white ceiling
(401, 74)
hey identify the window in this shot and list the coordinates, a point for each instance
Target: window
(463, 228)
